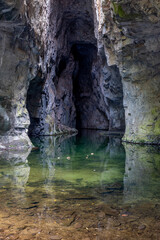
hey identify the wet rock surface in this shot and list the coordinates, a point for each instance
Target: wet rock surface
(17, 68)
(129, 33)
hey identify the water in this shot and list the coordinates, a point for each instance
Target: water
(85, 187)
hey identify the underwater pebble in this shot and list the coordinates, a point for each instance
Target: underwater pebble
(78, 225)
(141, 227)
(101, 215)
(68, 158)
(92, 153)
(56, 238)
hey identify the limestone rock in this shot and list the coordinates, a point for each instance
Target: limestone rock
(129, 32)
(16, 66)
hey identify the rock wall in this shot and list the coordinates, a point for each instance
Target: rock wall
(129, 31)
(17, 68)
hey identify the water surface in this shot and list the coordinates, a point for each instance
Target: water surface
(89, 186)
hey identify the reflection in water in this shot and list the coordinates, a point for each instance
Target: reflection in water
(82, 170)
(14, 169)
(14, 174)
(80, 187)
(142, 173)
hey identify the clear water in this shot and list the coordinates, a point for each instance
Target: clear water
(89, 186)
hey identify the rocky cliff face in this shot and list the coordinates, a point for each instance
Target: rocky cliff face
(71, 95)
(73, 64)
(129, 31)
(78, 99)
(17, 67)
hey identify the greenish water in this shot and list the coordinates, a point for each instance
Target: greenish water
(89, 186)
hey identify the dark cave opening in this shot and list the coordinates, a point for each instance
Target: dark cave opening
(79, 102)
(83, 81)
(36, 105)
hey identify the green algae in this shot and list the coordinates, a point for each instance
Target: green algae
(148, 131)
(119, 11)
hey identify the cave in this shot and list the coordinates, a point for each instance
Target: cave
(83, 84)
(81, 88)
(80, 119)
(75, 92)
(52, 50)
(36, 103)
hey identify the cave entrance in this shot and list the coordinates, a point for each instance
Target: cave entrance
(79, 102)
(77, 88)
(72, 99)
(85, 91)
(36, 105)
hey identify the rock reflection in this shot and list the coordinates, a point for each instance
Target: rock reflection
(43, 161)
(84, 164)
(14, 168)
(14, 175)
(113, 165)
(142, 173)
(51, 147)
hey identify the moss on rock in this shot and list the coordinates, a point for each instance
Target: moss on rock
(119, 11)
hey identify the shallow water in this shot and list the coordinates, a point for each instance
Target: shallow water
(85, 187)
